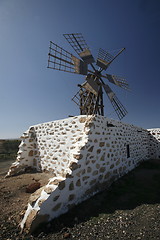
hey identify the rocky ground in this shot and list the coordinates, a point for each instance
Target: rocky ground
(130, 209)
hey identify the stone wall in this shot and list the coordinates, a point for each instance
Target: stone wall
(154, 143)
(51, 146)
(85, 155)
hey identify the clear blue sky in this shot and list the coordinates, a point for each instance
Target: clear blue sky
(30, 93)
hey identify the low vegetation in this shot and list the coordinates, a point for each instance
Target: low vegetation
(8, 149)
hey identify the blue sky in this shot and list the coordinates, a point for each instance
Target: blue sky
(30, 93)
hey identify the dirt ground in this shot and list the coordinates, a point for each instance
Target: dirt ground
(130, 209)
(14, 199)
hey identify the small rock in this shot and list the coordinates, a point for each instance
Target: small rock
(67, 235)
(33, 187)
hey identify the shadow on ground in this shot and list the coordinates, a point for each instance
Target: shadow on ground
(140, 186)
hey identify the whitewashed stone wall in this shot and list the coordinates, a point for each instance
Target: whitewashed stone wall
(85, 155)
(51, 146)
(154, 143)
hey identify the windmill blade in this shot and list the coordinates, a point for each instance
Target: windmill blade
(117, 105)
(78, 43)
(121, 82)
(104, 58)
(60, 59)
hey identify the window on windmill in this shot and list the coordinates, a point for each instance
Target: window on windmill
(128, 151)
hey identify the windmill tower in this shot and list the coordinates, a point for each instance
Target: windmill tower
(89, 98)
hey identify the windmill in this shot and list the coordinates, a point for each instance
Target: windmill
(89, 98)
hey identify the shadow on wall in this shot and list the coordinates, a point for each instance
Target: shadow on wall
(140, 186)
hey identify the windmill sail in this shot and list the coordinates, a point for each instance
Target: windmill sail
(118, 81)
(60, 59)
(117, 105)
(104, 58)
(78, 43)
(79, 66)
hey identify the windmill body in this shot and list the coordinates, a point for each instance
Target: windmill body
(89, 98)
